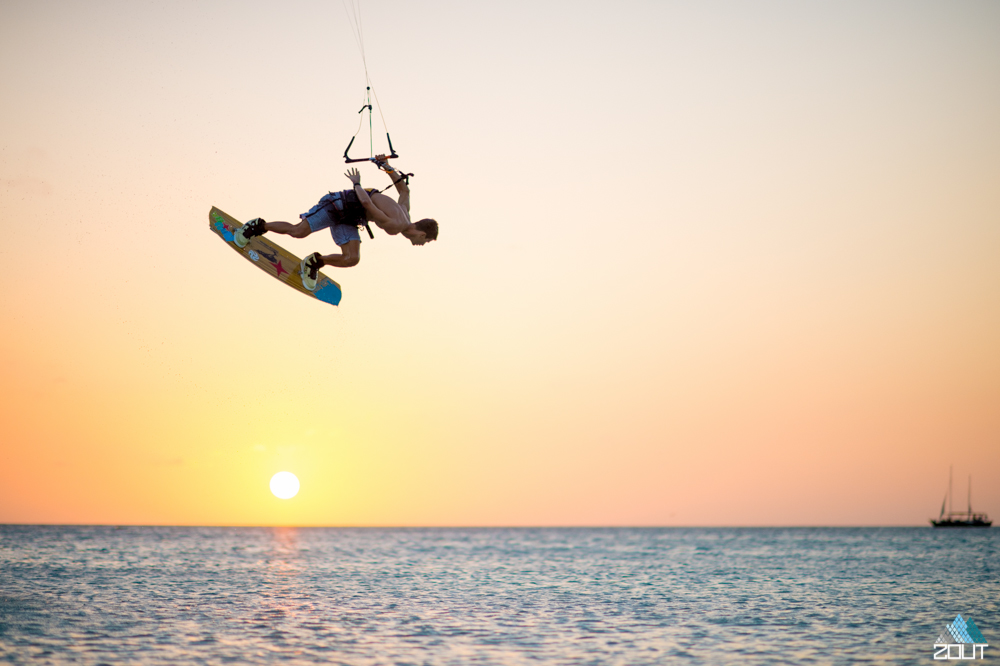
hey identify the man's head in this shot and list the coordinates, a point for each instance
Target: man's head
(423, 231)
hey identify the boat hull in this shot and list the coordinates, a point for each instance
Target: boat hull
(962, 523)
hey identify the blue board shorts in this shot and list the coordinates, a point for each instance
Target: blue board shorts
(341, 212)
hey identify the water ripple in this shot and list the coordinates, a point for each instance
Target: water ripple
(92, 595)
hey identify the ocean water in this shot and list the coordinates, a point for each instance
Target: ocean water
(163, 595)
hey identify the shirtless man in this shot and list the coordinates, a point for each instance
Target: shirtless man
(343, 212)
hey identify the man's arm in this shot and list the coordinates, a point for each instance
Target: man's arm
(398, 179)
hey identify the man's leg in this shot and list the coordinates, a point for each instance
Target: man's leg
(300, 230)
(258, 227)
(350, 255)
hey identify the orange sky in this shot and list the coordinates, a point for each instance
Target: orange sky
(700, 264)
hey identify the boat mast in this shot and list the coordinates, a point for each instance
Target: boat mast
(970, 495)
(949, 489)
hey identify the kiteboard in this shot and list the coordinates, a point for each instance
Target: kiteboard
(272, 259)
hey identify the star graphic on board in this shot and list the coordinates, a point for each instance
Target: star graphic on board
(278, 267)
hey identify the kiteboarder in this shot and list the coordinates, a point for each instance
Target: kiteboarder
(343, 213)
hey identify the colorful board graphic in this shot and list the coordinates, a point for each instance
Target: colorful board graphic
(272, 259)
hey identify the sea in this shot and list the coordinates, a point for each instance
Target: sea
(218, 595)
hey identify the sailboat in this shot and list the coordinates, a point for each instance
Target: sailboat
(951, 518)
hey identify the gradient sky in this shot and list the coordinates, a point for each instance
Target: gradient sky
(702, 263)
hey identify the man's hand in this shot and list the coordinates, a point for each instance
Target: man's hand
(382, 162)
(354, 175)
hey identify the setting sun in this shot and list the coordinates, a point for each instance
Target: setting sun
(285, 485)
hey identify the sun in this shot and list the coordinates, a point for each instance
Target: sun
(285, 485)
